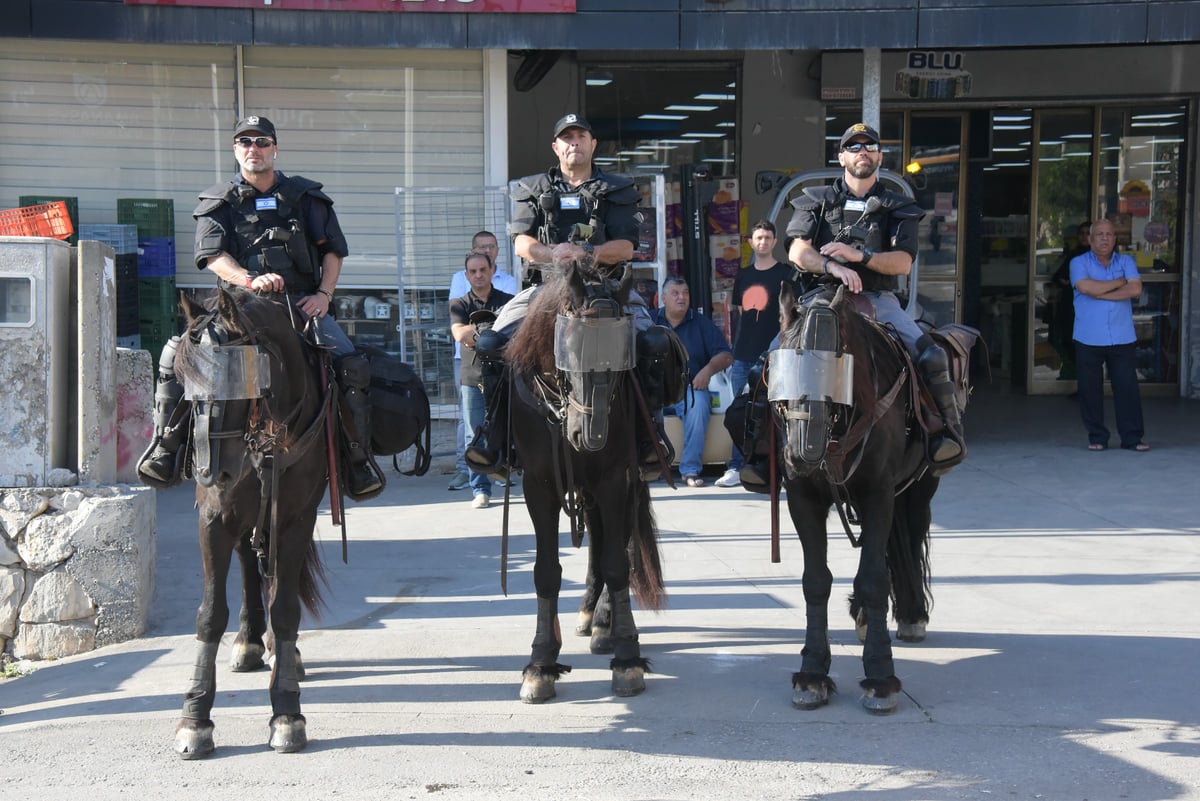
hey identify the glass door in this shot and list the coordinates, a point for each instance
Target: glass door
(935, 170)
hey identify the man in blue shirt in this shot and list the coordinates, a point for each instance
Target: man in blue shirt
(708, 354)
(1105, 283)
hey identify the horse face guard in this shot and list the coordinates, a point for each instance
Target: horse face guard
(810, 381)
(594, 346)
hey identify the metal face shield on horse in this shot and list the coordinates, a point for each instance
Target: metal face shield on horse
(802, 383)
(593, 351)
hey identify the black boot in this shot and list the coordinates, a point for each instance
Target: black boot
(161, 466)
(948, 447)
(756, 469)
(362, 479)
(488, 449)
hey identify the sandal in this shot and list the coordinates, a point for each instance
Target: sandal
(694, 481)
(1097, 446)
(1140, 447)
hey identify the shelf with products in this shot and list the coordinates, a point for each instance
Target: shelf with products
(372, 317)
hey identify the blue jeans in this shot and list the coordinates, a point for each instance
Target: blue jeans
(472, 411)
(460, 431)
(695, 427)
(737, 382)
(1121, 360)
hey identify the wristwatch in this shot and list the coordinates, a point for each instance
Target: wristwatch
(867, 253)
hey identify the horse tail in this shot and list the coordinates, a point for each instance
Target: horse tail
(908, 554)
(313, 581)
(646, 575)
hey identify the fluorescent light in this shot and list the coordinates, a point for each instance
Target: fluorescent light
(1011, 118)
(676, 141)
(598, 81)
(1167, 124)
(662, 117)
(710, 97)
(1162, 116)
(718, 161)
(1011, 127)
(705, 135)
(684, 107)
(1009, 149)
(1083, 153)
(1077, 136)
(734, 125)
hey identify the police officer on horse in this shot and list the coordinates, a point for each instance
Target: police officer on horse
(572, 211)
(270, 232)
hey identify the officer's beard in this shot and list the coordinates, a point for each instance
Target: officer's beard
(862, 170)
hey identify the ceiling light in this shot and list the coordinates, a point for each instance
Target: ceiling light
(1010, 118)
(705, 135)
(718, 97)
(662, 116)
(598, 81)
(684, 107)
(1010, 127)
(734, 125)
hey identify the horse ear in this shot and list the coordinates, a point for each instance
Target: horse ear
(787, 305)
(227, 309)
(626, 285)
(191, 309)
(575, 285)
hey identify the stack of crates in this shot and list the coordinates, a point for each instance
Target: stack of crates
(72, 209)
(123, 240)
(158, 301)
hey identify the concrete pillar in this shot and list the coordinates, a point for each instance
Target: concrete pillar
(96, 396)
(871, 73)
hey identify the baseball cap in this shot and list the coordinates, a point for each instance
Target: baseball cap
(859, 129)
(255, 123)
(571, 121)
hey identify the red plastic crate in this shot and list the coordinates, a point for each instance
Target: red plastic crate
(45, 219)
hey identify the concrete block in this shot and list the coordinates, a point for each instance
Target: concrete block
(18, 507)
(12, 591)
(56, 597)
(135, 410)
(96, 400)
(47, 542)
(8, 551)
(54, 640)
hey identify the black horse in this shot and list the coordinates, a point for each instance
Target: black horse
(261, 403)
(573, 407)
(841, 392)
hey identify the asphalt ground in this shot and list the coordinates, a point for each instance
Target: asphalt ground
(1060, 664)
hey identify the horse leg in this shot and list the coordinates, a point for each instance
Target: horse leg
(287, 725)
(248, 647)
(194, 732)
(609, 533)
(602, 636)
(881, 688)
(811, 685)
(539, 677)
(908, 559)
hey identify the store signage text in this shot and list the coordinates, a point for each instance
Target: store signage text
(481, 6)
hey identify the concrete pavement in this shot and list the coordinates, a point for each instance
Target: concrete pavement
(1060, 664)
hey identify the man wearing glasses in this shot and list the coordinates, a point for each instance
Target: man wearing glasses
(270, 232)
(823, 243)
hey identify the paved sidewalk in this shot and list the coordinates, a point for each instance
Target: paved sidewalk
(1060, 664)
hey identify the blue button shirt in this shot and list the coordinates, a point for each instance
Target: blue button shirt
(1103, 322)
(699, 335)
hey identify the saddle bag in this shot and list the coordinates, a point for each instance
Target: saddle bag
(399, 410)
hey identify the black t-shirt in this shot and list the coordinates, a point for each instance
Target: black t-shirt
(461, 310)
(757, 293)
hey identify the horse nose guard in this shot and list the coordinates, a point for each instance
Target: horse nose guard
(592, 350)
(807, 380)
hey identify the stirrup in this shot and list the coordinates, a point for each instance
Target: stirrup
(159, 468)
(944, 453)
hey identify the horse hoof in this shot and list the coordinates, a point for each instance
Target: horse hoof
(537, 689)
(583, 624)
(627, 682)
(877, 705)
(247, 657)
(602, 641)
(911, 632)
(288, 734)
(809, 698)
(194, 740)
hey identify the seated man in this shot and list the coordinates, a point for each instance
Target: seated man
(708, 354)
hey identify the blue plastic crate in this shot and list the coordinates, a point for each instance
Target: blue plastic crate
(156, 257)
(121, 238)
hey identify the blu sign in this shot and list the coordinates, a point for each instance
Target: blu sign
(933, 75)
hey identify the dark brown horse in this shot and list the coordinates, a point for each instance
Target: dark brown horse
(260, 401)
(573, 425)
(840, 392)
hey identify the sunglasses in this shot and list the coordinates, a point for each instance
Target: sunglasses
(856, 147)
(261, 142)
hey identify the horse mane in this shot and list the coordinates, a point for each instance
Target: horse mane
(531, 349)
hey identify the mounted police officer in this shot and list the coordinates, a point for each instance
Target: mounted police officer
(572, 211)
(270, 232)
(865, 236)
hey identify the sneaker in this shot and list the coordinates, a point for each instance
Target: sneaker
(460, 481)
(481, 501)
(731, 478)
(694, 481)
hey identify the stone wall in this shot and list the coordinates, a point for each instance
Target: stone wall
(76, 568)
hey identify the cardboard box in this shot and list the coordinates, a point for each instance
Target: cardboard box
(725, 253)
(724, 218)
(727, 191)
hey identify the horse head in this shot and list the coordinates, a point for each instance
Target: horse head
(811, 376)
(593, 350)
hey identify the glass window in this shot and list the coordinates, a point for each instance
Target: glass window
(16, 301)
(655, 118)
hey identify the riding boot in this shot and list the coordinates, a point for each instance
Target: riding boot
(161, 466)
(488, 449)
(948, 447)
(363, 478)
(756, 469)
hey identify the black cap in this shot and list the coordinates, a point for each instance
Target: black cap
(859, 129)
(255, 123)
(571, 121)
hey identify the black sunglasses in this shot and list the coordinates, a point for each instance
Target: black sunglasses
(261, 142)
(855, 147)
